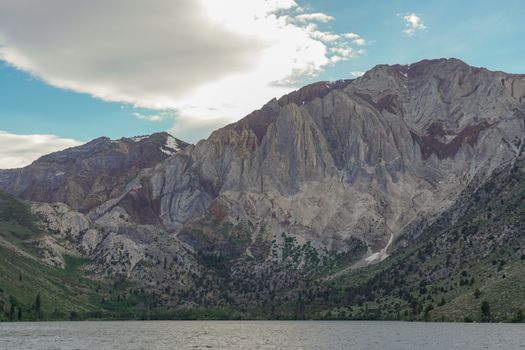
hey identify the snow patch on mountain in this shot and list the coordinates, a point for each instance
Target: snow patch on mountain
(171, 147)
(138, 138)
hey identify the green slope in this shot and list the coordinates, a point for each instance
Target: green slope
(23, 278)
(61, 291)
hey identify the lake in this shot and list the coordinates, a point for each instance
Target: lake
(160, 335)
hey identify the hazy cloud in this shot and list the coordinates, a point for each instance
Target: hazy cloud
(413, 23)
(350, 36)
(156, 117)
(146, 53)
(148, 117)
(206, 59)
(20, 150)
(316, 17)
(359, 41)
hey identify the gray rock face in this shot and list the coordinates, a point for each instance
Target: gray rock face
(355, 159)
(115, 246)
(364, 159)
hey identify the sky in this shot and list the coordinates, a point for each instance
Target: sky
(73, 70)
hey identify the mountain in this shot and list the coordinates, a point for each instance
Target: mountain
(318, 200)
(86, 176)
(474, 253)
(332, 163)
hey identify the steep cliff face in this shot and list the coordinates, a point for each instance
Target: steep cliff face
(353, 159)
(89, 175)
(333, 163)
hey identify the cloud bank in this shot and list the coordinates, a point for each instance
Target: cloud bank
(208, 60)
(20, 150)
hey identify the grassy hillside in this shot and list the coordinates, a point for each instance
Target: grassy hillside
(29, 289)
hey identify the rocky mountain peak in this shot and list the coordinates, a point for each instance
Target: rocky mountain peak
(90, 174)
(259, 120)
(359, 158)
(312, 91)
(328, 164)
(426, 66)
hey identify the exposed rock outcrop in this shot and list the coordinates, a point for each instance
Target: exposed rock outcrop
(89, 175)
(354, 159)
(365, 159)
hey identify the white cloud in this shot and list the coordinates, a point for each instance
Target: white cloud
(413, 23)
(192, 129)
(350, 36)
(330, 37)
(20, 150)
(209, 60)
(357, 74)
(344, 52)
(315, 17)
(150, 117)
(359, 41)
(326, 37)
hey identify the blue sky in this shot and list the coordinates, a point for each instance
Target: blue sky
(39, 97)
(482, 33)
(30, 106)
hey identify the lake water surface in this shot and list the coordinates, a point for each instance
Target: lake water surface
(160, 335)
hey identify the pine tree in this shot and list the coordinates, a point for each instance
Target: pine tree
(299, 308)
(12, 313)
(477, 293)
(485, 311)
(38, 306)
